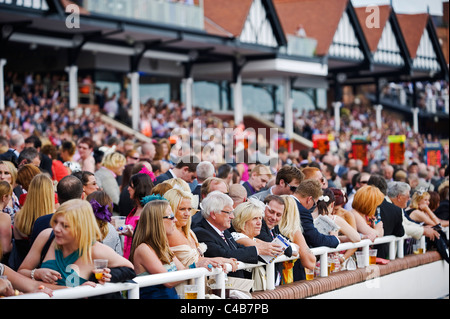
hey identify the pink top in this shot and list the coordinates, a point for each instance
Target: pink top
(130, 220)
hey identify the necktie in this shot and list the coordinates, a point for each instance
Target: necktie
(223, 237)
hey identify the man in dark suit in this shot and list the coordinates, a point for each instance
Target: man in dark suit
(269, 229)
(213, 231)
(306, 196)
(186, 169)
(390, 215)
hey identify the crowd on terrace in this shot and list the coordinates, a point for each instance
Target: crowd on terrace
(67, 178)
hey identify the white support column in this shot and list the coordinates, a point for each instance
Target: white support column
(337, 116)
(135, 100)
(288, 114)
(378, 109)
(73, 86)
(433, 105)
(189, 94)
(237, 101)
(2, 85)
(415, 120)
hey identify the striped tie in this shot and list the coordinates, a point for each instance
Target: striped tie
(223, 237)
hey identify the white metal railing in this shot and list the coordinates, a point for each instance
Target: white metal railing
(200, 274)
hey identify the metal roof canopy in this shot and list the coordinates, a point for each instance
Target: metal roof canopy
(126, 37)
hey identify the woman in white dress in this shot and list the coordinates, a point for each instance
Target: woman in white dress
(183, 241)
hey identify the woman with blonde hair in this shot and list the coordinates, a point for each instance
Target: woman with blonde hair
(183, 240)
(420, 212)
(113, 165)
(364, 207)
(40, 201)
(150, 250)
(6, 192)
(8, 172)
(73, 248)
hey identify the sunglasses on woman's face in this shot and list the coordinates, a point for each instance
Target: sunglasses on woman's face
(171, 217)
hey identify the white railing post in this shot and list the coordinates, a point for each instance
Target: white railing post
(220, 281)
(365, 250)
(133, 293)
(200, 283)
(392, 250)
(423, 244)
(400, 249)
(324, 265)
(270, 276)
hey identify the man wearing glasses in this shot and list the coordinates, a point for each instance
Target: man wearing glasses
(213, 231)
(286, 182)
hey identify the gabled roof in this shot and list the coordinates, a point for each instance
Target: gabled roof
(318, 23)
(413, 26)
(373, 35)
(229, 17)
(227, 14)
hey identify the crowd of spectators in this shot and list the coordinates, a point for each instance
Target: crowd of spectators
(153, 207)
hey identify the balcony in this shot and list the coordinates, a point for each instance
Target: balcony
(180, 14)
(300, 46)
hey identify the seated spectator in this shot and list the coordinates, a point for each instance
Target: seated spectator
(204, 171)
(40, 201)
(70, 187)
(85, 149)
(113, 165)
(286, 182)
(306, 196)
(6, 192)
(140, 186)
(225, 172)
(150, 251)
(238, 194)
(325, 206)
(442, 212)
(315, 173)
(102, 206)
(8, 173)
(420, 212)
(247, 225)
(258, 178)
(89, 183)
(290, 226)
(24, 176)
(58, 169)
(211, 184)
(161, 188)
(186, 169)
(391, 216)
(365, 203)
(183, 240)
(213, 231)
(75, 242)
(29, 155)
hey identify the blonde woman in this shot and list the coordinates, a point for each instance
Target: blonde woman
(364, 206)
(40, 201)
(150, 250)
(69, 258)
(420, 212)
(8, 172)
(290, 226)
(113, 165)
(183, 240)
(6, 192)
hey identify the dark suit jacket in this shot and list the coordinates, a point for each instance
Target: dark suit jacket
(265, 235)
(163, 177)
(218, 248)
(391, 216)
(312, 237)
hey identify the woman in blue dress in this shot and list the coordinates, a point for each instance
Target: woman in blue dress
(72, 247)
